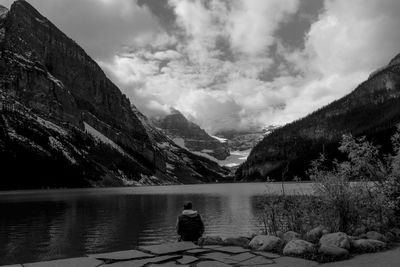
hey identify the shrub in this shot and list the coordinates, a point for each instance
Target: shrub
(371, 200)
(363, 190)
(281, 212)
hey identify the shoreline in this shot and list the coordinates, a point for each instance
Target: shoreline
(39, 190)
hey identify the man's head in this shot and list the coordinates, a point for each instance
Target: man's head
(187, 206)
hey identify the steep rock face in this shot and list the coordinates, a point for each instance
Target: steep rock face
(372, 109)
(194, 138)
(31, 36)
(64, 120)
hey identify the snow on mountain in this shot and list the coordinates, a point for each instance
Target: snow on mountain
(102, 138)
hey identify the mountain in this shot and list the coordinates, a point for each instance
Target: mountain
(245, 140)
(190, 166)
(63, 123)
(189, 135)
(372, 109)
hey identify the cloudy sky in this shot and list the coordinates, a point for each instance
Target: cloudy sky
(232, 64)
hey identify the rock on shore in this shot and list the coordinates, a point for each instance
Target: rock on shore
(298, 247)
(266, 243)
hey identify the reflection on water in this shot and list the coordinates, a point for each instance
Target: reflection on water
(42, 225)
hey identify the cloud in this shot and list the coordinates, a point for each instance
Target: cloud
(101, 27)
(252, 24)
(221, 86)
(211, 75)
(361, 34)
(349, 40)
(232, 64)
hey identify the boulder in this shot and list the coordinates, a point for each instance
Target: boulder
(338, 239)
(266, 243)
(375, 235)
(367, 245)
(333, 251)
(237, 241)
(290, 235)
(315, 234)
(298, 247)
(210, 240)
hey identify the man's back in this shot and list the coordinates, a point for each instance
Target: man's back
(190, 226)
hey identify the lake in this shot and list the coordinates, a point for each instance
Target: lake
(50, 224)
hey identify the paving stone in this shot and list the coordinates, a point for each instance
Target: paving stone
(121, 255)
(197, 251)
(169, 248)
(211, 246)
(298, 262)
(187, 260)
(269, 255)
(143, 262)
(258, 260)
(168, 264)
(212, 264)
(230, 249)
(242, 257)
(270, 265)
(73, 262)
(219, 256)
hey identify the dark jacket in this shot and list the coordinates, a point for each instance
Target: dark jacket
(190, 226)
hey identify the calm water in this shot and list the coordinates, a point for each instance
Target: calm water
(42, 225)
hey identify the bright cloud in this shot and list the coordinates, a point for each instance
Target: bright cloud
(229, 64)
(213, 69)
(213, 75)
(252, 24)
(348, 41)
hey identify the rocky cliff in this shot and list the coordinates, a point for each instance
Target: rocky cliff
(64, 121)
(189, 135)
(372, 109)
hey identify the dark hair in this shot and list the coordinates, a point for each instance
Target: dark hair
(187, 206)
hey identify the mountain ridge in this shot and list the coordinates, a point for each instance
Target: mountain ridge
(371, 109)
(46, 78)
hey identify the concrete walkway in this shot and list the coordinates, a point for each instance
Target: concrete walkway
(186, 254)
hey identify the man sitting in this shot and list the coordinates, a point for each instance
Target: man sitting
(189, 226)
